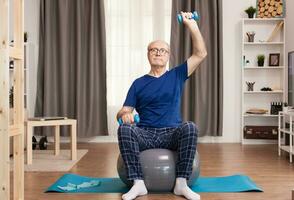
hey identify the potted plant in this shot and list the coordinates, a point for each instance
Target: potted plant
(260, 60)
(250, 11)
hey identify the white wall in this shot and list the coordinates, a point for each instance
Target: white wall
(31, 26)
(32, 18)
(232, 14)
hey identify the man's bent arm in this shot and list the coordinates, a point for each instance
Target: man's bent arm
(124, 110)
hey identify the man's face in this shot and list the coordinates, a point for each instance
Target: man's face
(158, 53)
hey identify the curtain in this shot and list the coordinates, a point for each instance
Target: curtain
(72, 64)
(130, 26)
(203, 95)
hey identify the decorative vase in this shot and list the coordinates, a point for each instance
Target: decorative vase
(250, 86)
(250, 36)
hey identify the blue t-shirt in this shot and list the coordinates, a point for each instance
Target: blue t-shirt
(158, 100)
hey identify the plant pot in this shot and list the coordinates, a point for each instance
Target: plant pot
(260, 63)
(250, 15)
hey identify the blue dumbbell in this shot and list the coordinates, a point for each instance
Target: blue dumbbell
(195, 16)
(136, 119)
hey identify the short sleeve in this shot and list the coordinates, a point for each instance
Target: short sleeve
(182, 71)
(131, 97)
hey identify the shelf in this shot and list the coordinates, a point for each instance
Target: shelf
(260, 141)
(262, 19)
(289, 113)
(263, 43)
(286, 148)
(259, 115)
(286, 130)
(264, 67)
(264, 92)
(16, 53)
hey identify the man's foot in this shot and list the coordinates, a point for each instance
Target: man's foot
(138, 189)
(182, 189)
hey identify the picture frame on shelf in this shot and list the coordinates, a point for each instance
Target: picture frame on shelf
(270, 8)
(274, 59)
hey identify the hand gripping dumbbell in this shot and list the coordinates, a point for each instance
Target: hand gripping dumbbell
(136, 119)
(195, 16)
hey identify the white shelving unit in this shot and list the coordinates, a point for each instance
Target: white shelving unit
(28, 63)
(266, 76)
(286, 117)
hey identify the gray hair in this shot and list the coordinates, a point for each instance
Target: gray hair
(155, 41)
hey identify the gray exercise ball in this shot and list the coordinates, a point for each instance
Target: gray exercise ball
(159, 169)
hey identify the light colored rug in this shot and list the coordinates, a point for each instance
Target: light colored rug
(46, 161)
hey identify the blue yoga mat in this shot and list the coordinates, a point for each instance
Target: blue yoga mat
(72, 183)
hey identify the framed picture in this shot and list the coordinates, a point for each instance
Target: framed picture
(270, 8)
(274, 59)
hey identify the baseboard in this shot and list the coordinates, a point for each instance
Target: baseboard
(217, 139)
(205, 139)
(104, 139)
(259, 141)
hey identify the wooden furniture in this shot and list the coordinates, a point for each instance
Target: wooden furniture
(268, 39)
(30, 124)
(16, 129)
(286, 117)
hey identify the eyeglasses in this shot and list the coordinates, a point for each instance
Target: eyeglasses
(155, 51)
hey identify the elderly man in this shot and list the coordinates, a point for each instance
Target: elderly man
(156, 97)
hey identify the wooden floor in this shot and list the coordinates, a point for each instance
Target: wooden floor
(272, 173)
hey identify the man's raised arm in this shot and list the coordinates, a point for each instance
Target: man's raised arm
(199, 49)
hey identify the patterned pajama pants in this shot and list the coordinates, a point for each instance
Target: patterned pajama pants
(133, 140)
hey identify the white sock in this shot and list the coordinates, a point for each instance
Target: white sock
(138, 189)
(181, 188)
